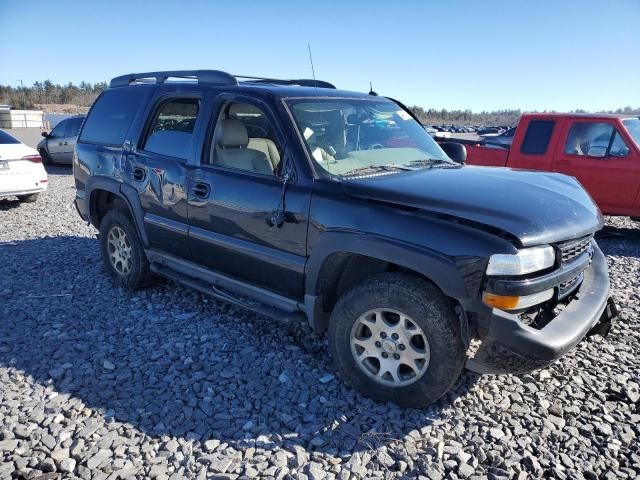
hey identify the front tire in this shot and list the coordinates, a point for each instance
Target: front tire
(32, 197)
(123, 252)
(46, 158)
(397, 338)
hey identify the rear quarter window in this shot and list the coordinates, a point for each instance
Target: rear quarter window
(111, 116)
(536, 140)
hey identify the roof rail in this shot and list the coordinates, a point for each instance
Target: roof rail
(210, 77)
(302, 82)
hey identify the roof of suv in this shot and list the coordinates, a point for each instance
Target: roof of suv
(218, 79)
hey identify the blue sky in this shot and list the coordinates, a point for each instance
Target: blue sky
(538, 54)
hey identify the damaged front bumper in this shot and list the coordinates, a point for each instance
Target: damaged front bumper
(510, 346)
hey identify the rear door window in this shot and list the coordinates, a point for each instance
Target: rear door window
(171, 129)
(536, 140)
(111, 116)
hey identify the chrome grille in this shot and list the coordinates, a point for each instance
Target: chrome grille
(574, 248)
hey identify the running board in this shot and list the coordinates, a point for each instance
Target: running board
(224, 288)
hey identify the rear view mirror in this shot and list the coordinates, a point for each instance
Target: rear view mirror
(597, 151)
(455, 151)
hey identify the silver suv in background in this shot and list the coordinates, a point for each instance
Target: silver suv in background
(57, 145)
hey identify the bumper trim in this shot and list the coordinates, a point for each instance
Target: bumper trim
(512, 347)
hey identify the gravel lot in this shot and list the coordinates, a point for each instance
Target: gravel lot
(166, 383)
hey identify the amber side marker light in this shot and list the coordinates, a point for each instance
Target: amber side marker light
(514, 302)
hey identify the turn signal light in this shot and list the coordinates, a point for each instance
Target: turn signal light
(513, 302)
(33, 158)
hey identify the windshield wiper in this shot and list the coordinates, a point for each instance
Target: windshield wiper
(430, 162)
(376, 168)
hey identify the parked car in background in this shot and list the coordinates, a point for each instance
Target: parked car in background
(502, 140)
(602, 151)
(57, 145)
(300, 201)
(21, 172)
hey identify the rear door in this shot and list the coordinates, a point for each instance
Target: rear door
(601, 156)
(156, 167)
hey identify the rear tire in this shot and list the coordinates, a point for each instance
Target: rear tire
(123, 251)
(32, 197)
(426, 354)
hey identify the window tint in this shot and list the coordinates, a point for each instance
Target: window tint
(536, 140)
(244, 139)
(172, 128)
(111, 116)
(6, 139)
(73, 127)
(58, 131)
(589, 139)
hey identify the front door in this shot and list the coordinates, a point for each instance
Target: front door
(55, 142)
(156, 167)
(241, 224)
(600, 158)
(70, 137)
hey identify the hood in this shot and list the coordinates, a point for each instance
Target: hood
(534, 207)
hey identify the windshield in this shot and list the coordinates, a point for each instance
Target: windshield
(349, 136)
(5, 138)
(633, 127)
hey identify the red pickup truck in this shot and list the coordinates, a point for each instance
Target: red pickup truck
(601, 151)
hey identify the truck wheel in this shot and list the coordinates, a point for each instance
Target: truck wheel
(32, 197)
(123, 252)
(397, 338)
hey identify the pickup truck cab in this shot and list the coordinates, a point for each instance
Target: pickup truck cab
(601, 151)
(297, 200)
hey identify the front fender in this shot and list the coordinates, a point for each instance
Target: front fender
(440, 269)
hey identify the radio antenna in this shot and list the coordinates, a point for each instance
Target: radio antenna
(313, 72)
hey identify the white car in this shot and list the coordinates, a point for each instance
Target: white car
(22, 174)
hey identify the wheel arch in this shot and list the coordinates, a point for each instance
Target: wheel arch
(340, 260)
(104, 194)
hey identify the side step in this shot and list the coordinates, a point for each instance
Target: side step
(227, 296)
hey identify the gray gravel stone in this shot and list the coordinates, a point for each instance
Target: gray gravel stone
(97, 383)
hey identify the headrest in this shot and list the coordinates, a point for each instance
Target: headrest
(232, 133)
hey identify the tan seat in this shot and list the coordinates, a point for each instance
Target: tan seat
(267, 147)
(231, 150)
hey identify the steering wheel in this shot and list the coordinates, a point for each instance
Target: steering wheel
(375, 146)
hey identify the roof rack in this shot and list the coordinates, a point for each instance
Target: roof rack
(210, 77)
(302, 82)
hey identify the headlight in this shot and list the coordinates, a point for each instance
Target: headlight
(525, 261)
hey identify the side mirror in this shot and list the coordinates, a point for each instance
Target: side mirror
(597, 151)
(45, 134)
(455, 151)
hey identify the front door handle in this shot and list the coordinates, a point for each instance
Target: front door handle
(66, 143)
(563, 162)
(138, 174)
(201, 190)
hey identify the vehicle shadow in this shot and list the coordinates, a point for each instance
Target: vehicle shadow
(59, 169)
(169, 361)
(619, 241)
(8, 204)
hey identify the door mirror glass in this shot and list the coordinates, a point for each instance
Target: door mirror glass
(597, 151)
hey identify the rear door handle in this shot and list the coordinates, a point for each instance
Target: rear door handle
(201, 190)
(66, 143)
(138, 174)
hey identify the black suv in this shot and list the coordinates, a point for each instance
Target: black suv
(297, 200)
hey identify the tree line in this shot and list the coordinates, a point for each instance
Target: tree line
(83, 95)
